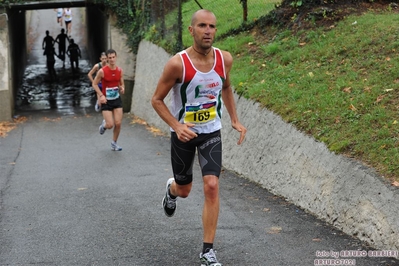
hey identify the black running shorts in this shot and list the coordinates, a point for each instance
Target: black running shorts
(111, 104)
(209, 147)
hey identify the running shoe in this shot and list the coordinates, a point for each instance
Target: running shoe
(209, 259)
(97, 107)
(169, 204)
(115, 146)
(102, 128)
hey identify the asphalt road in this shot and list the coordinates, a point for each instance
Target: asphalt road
(67, 199)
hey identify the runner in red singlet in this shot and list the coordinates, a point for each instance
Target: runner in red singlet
(111, 78)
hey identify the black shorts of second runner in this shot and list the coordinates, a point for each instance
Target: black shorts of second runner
(209, 147)
(111, 104)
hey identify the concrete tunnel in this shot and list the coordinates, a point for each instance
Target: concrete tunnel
(13, 21)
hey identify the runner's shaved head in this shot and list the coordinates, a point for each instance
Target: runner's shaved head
(201, 11)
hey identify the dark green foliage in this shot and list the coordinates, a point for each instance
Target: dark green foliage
(133, 17)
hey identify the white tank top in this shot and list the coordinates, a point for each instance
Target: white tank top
(198, 98)
(59, 12)
(68, 15)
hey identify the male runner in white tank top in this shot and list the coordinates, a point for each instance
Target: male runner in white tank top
(199, 81)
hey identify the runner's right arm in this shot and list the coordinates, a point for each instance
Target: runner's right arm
(96, 81)
(91, 73)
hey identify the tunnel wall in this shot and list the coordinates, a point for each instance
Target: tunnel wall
(97, 32)
(18, 50)
(13, 58)
(5, 92)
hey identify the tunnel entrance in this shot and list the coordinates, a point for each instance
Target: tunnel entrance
(69, 92)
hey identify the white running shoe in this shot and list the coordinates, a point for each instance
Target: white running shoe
(209, 259)
(115, 146)
(169, 204)
(102, 128)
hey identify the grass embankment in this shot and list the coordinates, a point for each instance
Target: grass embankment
(339, 85)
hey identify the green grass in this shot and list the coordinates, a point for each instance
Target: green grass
(338, 85)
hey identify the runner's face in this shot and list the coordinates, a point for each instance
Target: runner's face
(204, 29)
(103, 59)
(111, 59)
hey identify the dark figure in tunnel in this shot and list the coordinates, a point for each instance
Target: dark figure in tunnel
(61, 40)
(74, 53)
(48, 42)
(52, 97)
(50, 55)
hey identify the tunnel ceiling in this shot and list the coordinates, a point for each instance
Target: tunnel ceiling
(34, 5)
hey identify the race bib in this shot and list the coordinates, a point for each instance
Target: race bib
(200, 113)
(112, 93)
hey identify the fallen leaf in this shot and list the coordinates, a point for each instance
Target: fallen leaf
(137, 120)
(154, 130)
(275, 230)
(6, 126)
(352, 107)
(347, 90)
(379, 98)
(52, 119)
(252, 198)
(395, 183)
